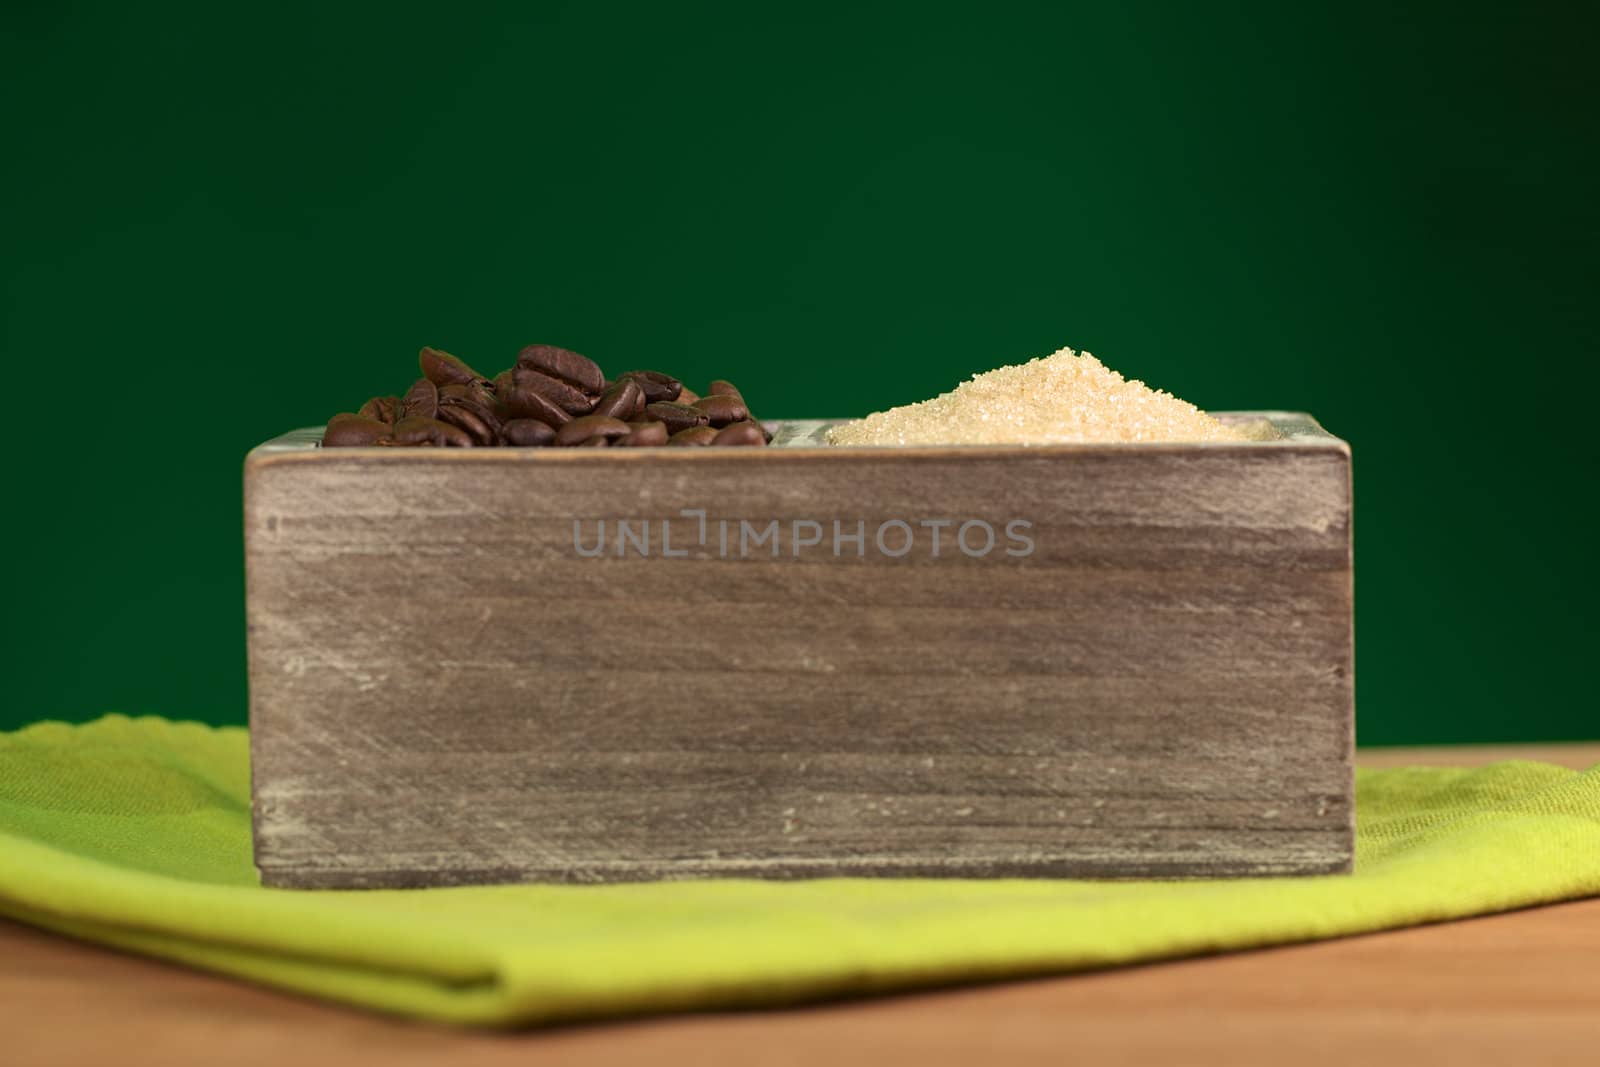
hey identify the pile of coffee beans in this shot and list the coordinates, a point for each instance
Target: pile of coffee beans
(550, 397)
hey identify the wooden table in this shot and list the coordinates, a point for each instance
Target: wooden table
(1521, 988)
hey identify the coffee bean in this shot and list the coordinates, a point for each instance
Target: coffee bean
(479, 401)
(590, 426)
(471, 395)
(480, 405)
(551, 396)
(479, 424)
(527, 433)
(578, 371)
(522, 402)
(676, 416)
(477, 392)
(723, 408)
(420, 402)
(624, 400)
(644, 435)
(441, 368)
(694, 435)
(570, 399)
(766, 434)
(354, 431)
(414, 432)
(740, 433)
(383, 408)
(657, 387)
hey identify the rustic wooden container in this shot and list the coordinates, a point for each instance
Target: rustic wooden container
(1151, 678)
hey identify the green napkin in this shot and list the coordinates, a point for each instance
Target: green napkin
(136, 833)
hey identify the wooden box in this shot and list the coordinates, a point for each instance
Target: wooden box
(1118, 661)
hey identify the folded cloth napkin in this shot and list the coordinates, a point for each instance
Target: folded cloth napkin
(136, 833)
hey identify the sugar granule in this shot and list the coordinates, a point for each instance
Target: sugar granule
(1056, 399)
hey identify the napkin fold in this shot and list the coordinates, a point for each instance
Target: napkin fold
(135, 833)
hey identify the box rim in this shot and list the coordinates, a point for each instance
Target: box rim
(1298, 432)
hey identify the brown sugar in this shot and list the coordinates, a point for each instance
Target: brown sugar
(1061, 398)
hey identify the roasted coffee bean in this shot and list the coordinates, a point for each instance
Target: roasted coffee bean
(422, 432)
(475, 398)
(522, 402)
(766, 434)
(354, 431)
(420, 402)
(624, 400)
(480, 425)
(527, 433)
(441, 368)
(383, 408)
(740, 433)
(578, 371)
(694, 435)
(676, 416)
(480, 402)
(644, 435)
(550, 396)
(480, 393)
(723, 408)
(572, 400)
(658, 387)
(582, 429)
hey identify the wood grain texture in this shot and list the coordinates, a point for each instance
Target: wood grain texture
(445, 690)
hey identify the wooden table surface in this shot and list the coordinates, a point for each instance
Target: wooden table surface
(1521, 988)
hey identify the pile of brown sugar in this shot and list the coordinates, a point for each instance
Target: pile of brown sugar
(1061, 398)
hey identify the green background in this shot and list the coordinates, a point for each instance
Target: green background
(224, 221)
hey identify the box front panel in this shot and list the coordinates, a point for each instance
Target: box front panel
(1100, 664)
